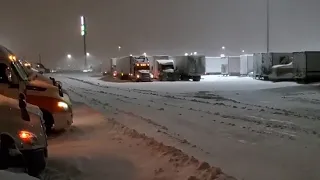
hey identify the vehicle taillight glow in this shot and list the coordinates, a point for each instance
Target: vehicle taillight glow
(27, 136)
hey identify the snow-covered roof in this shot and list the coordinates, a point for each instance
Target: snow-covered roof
(14, 103)
(165, 61)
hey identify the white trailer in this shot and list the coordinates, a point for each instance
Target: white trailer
(246, 64)
(306, 66)
(233, 65)
(213, 64)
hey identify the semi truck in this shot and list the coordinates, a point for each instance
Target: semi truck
(156, 63)
(306, 66)
(166, 70)
(190, 67)
(136, 68)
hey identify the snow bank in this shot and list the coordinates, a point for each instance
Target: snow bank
(179, 159)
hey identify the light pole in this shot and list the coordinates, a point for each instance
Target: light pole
(268, 24)
(84, 34)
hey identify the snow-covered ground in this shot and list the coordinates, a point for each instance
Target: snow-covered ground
(97, 148)
(251, 129)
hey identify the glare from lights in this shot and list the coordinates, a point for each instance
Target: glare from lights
(242, 51)
(145, 54)
(88, 54)
(69, 56)
(82, 20)
(131, 55)
(195, 53)
(191, 54)
(222, 55)
(186, 54)
(223, 47)
(119, 47)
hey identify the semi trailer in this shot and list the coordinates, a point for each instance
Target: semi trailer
(246, 64)
(306, 66)
(189, 67)
(263, 63)
(213, 65)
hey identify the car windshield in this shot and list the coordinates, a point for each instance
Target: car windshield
(21, 73)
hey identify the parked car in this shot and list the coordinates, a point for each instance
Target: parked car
(53, 102)
(23, 141)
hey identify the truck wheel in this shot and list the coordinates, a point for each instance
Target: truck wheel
(196, 78)
(48, 120)
(36, 162)
(184, 78)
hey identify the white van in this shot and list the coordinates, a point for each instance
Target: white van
(55, 105)
(24, 124)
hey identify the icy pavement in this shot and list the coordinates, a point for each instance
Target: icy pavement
(102, 149)
(251, 129)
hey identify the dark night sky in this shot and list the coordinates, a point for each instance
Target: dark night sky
(52, 27)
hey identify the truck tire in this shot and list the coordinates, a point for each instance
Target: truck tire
(48, 120)
(184, 78)
(36, 162)
(196, 78)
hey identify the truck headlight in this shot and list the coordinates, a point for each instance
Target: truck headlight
(63, 105)
(138, 76)
(151, 75)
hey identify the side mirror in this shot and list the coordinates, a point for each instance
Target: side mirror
(53, 81)
(23, 107)
(60, 90)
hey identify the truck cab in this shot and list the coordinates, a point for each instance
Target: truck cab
(141, 72)
(135, 68)
(54, 104)
(23, 124)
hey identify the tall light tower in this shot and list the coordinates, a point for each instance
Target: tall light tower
(84, 34)
(268, 26)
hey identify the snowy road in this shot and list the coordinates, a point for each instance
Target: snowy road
(251, 129)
